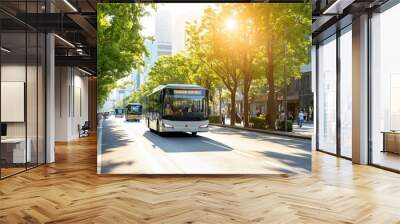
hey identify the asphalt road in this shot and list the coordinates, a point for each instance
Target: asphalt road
(130, 148)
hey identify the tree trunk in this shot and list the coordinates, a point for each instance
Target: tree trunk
(220, 101)
(246, 107)
(233, 108)
(271, 104)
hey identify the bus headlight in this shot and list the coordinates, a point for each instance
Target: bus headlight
(167, 125)
(203, 126)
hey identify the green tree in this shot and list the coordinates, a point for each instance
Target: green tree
(166, 70)
(239, 42)
(285, 40)
(121, 103)
(208, 43)
(246, 40)
(203, 76)
(120, 47)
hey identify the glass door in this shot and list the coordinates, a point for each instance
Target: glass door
(385, 89)
(14, 153)
(327, 95)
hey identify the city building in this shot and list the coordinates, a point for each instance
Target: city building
(179, 37)
(299, 97)
(165, 41)
(163, 32)
(117, 95)
(140, 77)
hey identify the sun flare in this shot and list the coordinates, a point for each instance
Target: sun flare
(230, 24)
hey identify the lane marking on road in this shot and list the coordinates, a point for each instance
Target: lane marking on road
(220, 146)
(145, 146)
(154, 165)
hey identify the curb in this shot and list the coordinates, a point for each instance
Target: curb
(99, 142)
(280, 133)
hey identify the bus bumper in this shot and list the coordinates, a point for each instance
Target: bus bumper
(133, 117)
(184, 126)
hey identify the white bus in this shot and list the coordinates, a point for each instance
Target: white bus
(177, 108)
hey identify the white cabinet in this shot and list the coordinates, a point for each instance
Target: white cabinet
(19, 155)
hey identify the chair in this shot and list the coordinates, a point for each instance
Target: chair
(84, 130)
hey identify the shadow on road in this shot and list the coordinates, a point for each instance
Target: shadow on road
(297, 160)
(108, 167)
(175, 142)
(304, 145)
(112, 138)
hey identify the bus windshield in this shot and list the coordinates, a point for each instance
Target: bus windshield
(119, 111)
(134, 109)
(185, 107)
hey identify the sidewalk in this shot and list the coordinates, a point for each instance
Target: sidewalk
(308, 128)
(304, 132)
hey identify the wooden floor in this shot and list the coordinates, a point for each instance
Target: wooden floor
(8, 171)
(70, 191)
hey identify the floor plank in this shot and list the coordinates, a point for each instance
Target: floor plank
(70, 191)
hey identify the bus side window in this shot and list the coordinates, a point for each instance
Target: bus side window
(158, 102)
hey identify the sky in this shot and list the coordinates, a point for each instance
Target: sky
(176, 9)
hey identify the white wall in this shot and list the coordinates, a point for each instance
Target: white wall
(62, 82)
(80, 109)
(71, 102)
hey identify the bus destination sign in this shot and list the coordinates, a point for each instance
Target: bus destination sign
(188, 91)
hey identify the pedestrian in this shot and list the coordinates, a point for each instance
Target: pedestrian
(282, 116)
(223, 117)
(300, 118)
(291, 117)
(277, 122)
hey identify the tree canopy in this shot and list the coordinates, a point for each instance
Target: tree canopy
(240, 43)
(286, 33)
(120, 46)
(167, 70)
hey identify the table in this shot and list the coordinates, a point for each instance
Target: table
(13, 150)
(391, 141)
